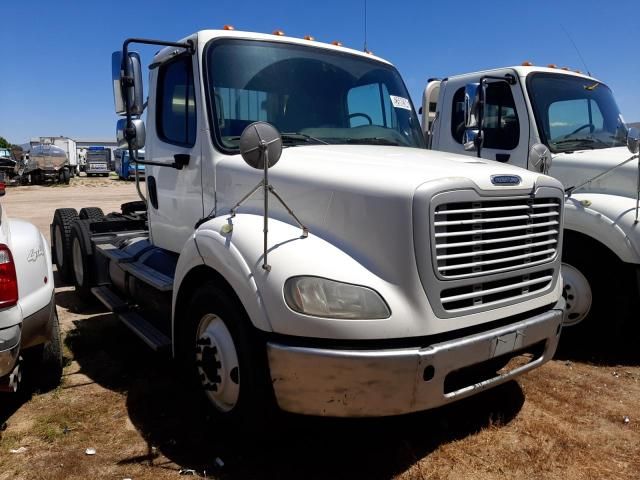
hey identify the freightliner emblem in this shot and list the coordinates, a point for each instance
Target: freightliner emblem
(506, 179)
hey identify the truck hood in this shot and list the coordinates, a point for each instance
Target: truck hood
(360, 197)
(387, 168)
(576, 167)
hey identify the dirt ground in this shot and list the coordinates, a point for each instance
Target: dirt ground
(565, 420)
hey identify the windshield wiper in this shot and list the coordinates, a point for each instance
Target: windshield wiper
(581, 142)
(300, 137)
(371, 141)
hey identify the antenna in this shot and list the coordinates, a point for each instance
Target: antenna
(365, 25)
(577, 50)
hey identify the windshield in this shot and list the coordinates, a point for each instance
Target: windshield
(4, 152)
(313, 96)
(575, 113)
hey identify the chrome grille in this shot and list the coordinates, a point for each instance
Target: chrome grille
(491, 236)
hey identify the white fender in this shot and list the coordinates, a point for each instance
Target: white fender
(609, 219)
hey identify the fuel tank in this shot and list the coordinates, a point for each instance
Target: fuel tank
(48, 158)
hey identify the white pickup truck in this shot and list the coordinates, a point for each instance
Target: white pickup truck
(568, 125)
(29, 329)
(382, 279)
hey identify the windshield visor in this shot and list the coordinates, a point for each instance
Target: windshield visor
(575, 113)
(312, 95)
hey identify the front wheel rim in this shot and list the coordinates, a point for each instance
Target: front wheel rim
(217, 363)
(577, 294)
(77, 262)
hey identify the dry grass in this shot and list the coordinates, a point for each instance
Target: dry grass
(562, 421)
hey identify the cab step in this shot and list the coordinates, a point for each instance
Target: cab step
(149, 276)
(110, 299)
(149, 334)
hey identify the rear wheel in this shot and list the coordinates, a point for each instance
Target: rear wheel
(63, 219)
(91, 213)
(66, 176)
(225, 359)
(82, 256)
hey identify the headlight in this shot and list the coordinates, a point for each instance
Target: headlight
(321, 297)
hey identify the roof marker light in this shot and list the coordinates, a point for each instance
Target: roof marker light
(527, 63)
(552, 65)
(279, 33)
(309, 37)
(578, 71)
(337, 43)
(228, 27)
(566, 68)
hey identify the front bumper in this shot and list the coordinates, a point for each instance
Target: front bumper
(363, 383)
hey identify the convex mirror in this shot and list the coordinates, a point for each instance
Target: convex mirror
(540, 158)
(260, 141)
(137, 133)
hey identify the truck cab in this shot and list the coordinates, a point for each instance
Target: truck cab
(335, 266)
(568, 125)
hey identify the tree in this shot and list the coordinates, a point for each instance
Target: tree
(4, 143)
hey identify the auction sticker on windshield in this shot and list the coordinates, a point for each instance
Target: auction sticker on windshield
(400, 102)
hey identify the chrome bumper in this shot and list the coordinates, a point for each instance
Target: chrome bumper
(362, 383)
(9, 348)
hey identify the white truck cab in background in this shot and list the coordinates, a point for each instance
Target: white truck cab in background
(392, 298)
(568, 125)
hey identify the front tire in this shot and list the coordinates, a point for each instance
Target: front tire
(225, 358)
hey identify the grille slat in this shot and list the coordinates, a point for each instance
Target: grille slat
(494, 250)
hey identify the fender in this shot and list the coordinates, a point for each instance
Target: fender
(211, 247)
(609, 219)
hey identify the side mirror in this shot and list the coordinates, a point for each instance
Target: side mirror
(136, 133)
(127, 79)
(540, 158)
(633, 140)
(261, 145)
(472, 103)
(470, 139)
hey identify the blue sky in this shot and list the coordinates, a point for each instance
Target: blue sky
(56, 54)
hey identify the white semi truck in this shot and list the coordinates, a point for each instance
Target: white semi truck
(568, 125)
(365, 276)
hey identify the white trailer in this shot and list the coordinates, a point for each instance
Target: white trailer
(365, 276)
(69, 146)
(568, 125)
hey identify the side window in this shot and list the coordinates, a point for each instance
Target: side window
(501, 127)
(370, 105)
(176, 105)
(457, 115)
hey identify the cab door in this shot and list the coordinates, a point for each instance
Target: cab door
(505, 124)
(175, 195)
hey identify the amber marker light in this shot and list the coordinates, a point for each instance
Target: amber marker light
(552, 65)
(309, 37)
(337, 43)
(527, 63)
(228, 27)
(279, 33)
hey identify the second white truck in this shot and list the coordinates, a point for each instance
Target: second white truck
(568, 125)
(365, 276)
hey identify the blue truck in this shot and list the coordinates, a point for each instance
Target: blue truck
(125, 168)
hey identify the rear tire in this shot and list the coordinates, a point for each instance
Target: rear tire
(91, 213)
(83, 274)
(66, 176)
(63, 219)
(132, 207)
(225, 358)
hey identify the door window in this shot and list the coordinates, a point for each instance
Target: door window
(501, 128)
(176, 103)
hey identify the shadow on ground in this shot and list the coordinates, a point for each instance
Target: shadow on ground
(164, 411)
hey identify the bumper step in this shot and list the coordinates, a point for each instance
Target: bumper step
(149, 334)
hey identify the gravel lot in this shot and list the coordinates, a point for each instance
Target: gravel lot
(564, 420)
